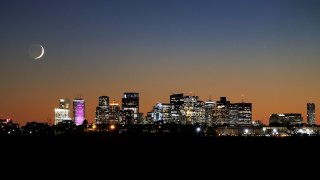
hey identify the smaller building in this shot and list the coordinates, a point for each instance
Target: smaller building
(285, 119)
(311, 113)
(161, 113)
(61, 115)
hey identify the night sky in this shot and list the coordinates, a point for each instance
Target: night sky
(268, 50)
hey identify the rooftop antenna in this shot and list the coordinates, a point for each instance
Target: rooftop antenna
(242, 97)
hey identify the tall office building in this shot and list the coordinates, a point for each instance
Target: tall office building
(209, 108)
(244, 113)
(221, 111)
(176, 101)
(78, 111)
(130, 101)
(189, 109)
(114, 112)
(63, 112)
(311, 113)
(102, 110)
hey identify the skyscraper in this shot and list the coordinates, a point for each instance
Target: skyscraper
(102, 110)
(63, 112)
(244, 113)
(176, 101)
(78, 111)
(114, 112)
(221, 111)
(130, 101)
(311, 113)
(209, 108)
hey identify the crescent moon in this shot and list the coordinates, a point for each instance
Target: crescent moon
(42, 53)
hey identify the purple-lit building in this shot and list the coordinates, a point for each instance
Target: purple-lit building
(78, 111)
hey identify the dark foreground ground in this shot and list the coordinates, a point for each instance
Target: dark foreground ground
(167, 144)
(159, 154)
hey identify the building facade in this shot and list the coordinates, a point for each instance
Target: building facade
(63, 112)
(221, 112)
(209, 108)
(244, 113)
(102, 110)
(285, 119)
(115, 113)
(64, 104)
(311, 113)
(78, 111)
(161, 113)
(130, 101)
(176, 102)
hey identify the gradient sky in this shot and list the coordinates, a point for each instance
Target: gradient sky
(268, 50)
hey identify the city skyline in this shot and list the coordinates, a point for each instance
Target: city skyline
(105, 113)
(267, 51)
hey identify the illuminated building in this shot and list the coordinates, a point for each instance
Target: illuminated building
(285, 119)
(78, 111)
(244, 113)
(189, 109)
(63, 112)
(61, 115)
(161, 113)
(193, 110)
(128, 116)
(130, 101)
(149, 117)
(209, 108)
(233, 114)
(64, 104)
(102, 110)
(221, 111)
(176, 101)
(311, 113)
(199, 116)
(114, 112)
(166, 112)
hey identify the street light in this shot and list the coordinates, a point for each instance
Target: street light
(246, 131)
(198, 129)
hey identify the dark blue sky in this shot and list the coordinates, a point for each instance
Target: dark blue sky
(153, 46)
